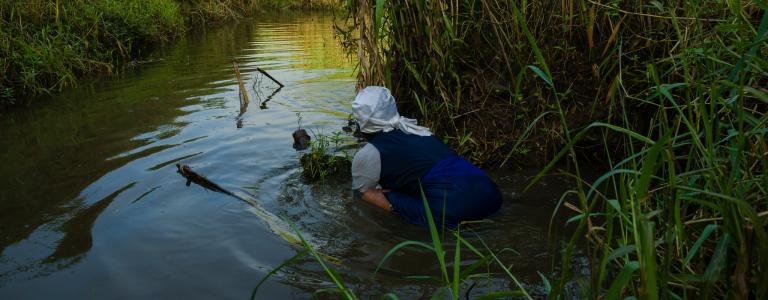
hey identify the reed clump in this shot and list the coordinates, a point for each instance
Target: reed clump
(323, 158)
(669, 96)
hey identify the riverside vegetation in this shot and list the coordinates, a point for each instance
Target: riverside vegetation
(45, 45)
(669, 97)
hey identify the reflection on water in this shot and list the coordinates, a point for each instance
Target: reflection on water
(91, 204)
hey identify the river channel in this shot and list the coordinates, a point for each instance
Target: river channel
(91, 205)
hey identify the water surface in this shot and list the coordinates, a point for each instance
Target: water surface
(91, 205)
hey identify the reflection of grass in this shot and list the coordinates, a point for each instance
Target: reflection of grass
(450, 279)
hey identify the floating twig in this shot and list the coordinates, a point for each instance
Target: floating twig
(269, 76)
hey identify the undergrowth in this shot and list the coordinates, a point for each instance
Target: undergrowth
(669, 97)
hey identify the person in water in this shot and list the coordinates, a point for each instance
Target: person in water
(402, 159)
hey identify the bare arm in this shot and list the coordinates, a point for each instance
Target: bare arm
(377, 198)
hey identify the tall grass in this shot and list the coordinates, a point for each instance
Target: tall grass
(46, 45)
(668, 96)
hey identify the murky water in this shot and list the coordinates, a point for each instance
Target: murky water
(91, 205)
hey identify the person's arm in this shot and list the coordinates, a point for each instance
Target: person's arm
(377, 198)
(366, 168)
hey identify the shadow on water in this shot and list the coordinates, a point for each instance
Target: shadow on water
(91, 204)
(77, 230)
(56, 148)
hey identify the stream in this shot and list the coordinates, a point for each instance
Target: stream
(91, 205)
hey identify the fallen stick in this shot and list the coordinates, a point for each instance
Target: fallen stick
(191, 176)
(276, 224)
(243, 92)
(270, 76)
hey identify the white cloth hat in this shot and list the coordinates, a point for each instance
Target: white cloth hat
(375, 110)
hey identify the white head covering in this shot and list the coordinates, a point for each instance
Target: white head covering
(375, 110)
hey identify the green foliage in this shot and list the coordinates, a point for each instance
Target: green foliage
(685, 204)
(46, 45)
(459, 66)
(672, 91)
(321, 161)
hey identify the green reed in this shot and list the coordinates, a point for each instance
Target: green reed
(678, 214)
(669, 96)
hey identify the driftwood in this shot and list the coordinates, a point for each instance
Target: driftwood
(200, 180)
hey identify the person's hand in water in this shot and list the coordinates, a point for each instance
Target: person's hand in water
(377, 198)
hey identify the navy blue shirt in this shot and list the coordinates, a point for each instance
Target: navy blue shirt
(405, 158)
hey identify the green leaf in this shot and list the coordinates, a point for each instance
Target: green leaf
(483, 261)
(456, 266)
(614, 204)
(717, 264)
(650, 162)
(580, 217)
(608, 175)
(620, 281)
(541, 74)
(524, 136)
(757, 93)
(379, 13)
(703, 237)
(545, 281)
(576, 138)
(275, 270)
(621, 251)
(531, 40)
(337, 280)
(647, 258)
(438, 246)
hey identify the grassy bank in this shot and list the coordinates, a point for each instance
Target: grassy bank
(669, 95)
(46, 45)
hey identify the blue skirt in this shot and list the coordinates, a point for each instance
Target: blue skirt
(455, 191)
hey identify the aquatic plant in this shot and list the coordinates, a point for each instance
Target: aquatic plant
(322, 160)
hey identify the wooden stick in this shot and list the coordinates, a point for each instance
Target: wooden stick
(270, 76)
(191, 176)
(240, 81)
